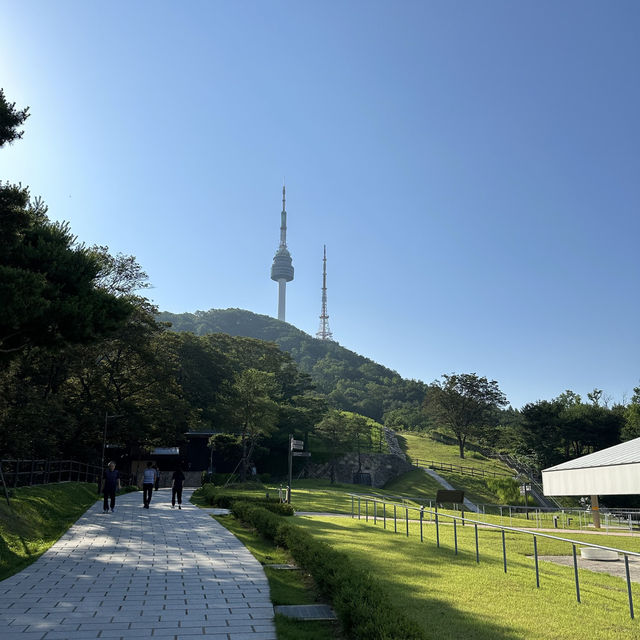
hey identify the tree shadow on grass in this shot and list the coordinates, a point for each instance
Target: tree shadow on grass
(402, 441)
(437, 617)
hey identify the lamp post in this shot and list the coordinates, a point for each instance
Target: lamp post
(107, 417)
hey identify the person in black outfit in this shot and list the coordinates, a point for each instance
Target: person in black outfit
(110, 484)
(177, 480)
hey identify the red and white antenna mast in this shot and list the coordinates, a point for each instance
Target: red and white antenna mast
(324, 333)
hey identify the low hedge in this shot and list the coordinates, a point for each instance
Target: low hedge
(359, 600)
(219, 498)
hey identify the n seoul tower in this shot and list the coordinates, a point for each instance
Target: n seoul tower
(282, 269)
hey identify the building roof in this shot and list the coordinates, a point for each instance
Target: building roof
(612, 471)
(166, 451)
(624, 453)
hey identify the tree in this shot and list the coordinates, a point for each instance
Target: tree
(464, 403)
(595, 396)
(407, 419)
(332, 430)
(631, 428)
(359, 431)
(254, 410)
(10, 120)
(564, 428)
(49, 294)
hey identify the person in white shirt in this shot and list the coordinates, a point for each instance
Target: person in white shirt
(148, 480)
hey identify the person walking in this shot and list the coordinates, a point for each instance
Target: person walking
(110, 484)
(177, 481)
(148, 481)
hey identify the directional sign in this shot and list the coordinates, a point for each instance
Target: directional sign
(297, 444)
(304, 454)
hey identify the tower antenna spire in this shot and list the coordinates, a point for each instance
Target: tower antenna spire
(283, 219)
(324, 333)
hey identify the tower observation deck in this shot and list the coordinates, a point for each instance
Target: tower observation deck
(282, 269)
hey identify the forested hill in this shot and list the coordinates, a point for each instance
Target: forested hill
(350, 381)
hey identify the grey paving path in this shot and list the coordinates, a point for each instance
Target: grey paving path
(138, 573)
(446, 485)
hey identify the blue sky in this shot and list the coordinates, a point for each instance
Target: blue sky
(472, 168)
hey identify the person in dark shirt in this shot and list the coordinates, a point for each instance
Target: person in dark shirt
(177, 480)
(110, 484)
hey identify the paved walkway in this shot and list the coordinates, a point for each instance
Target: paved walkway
(138, 573)
(446, 485)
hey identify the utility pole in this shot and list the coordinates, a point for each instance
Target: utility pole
(290, 468)
(107, 417)
(295, 449)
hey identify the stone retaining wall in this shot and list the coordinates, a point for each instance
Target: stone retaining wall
(378, 467)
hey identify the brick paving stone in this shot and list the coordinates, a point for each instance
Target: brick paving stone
(138, 573)
(164, 633)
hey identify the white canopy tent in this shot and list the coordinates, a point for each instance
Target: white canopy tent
(612, 471)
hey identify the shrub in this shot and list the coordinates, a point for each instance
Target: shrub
(216, 497)
(359, 600)
(507, 490)
(281, 508)
(218, 479)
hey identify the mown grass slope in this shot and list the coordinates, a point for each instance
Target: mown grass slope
(451, 596)
(36, 518)
(422, 447)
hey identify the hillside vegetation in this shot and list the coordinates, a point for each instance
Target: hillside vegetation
(350, 381)
(421, 447)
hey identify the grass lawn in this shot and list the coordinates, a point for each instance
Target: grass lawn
(286, 586)
(422, 447)
(475, 488)
(414, 484)
(320, 496)
(451, 596)
(37, 517)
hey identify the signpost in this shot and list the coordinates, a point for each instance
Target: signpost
(524, 489)
(295, 449)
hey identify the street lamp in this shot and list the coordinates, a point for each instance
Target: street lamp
(107, 417)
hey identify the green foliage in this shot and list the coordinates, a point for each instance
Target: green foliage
(358, 598)
(465, 403)
(507, 490)
(564, 428)
(407, 419)
(48, 285)
(226, 499)
(285, 587)
(217, 479)
(349, 381)
(333, 432)
(10, 120)
(254, 410)
(631, 427)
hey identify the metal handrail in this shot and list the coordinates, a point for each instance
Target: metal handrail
(448, 466)
(535, 534)
(38, 472)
